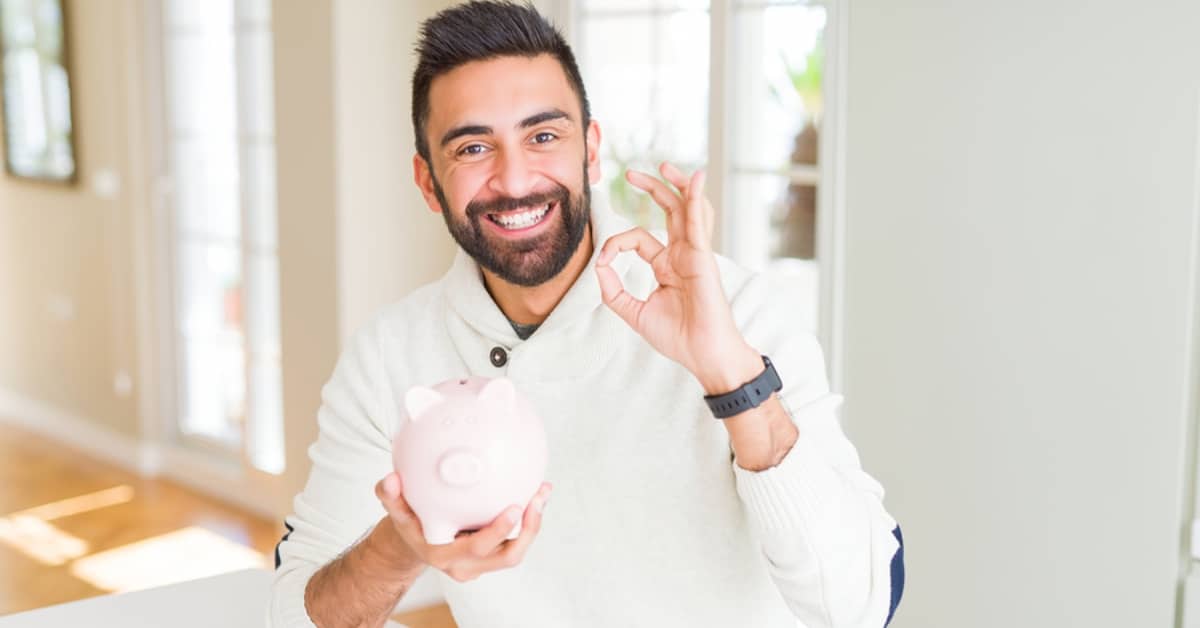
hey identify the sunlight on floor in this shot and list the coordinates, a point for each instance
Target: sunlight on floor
(30, 532)
(184, 554)
(83, 503)
(39, 540)
(181, 555)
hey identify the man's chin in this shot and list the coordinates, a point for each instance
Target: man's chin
(526, 274)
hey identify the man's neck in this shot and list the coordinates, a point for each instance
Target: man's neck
(531, 306)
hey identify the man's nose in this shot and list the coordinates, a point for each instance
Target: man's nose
(513, 177)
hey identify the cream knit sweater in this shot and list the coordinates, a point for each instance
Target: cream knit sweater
(652, 523)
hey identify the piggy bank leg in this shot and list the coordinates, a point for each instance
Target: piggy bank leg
(439, 534)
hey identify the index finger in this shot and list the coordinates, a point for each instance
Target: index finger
(484, 542)
(675, 176)
(514, 551)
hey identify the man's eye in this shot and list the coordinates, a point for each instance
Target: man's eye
(472, 149)
(543, 137)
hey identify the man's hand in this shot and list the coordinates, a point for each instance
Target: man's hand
(687, 318)
(472, 554)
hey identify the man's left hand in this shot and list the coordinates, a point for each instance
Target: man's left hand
(687, 318)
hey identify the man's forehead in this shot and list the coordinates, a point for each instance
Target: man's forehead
(500, 91)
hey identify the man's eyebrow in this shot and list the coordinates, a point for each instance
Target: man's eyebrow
(478, 129)
(470, 129)
(545, 116)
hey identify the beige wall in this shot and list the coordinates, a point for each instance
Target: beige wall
(388, 240)
(66, 249)
(304, 124)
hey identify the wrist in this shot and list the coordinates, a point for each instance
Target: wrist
(385, 547)
(730, 374)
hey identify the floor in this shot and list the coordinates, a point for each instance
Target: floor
(72, 527)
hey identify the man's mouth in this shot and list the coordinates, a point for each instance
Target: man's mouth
(522, 218)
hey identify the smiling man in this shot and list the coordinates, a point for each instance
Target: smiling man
(701, 477)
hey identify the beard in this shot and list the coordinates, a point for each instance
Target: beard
(532, 261)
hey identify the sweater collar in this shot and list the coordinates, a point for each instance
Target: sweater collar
(469, 298)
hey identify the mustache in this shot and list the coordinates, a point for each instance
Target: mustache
(476, 209)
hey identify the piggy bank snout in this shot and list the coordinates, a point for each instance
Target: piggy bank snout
(460, 467)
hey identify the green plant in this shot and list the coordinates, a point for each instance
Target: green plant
(807, 79)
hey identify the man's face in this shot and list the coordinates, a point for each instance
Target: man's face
(511, 165)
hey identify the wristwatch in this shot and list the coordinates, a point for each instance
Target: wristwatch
(750, 395)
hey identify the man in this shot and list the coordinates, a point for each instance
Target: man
(663, 515)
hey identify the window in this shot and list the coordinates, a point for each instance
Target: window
(36, 91)
(221, 154)
(735, 84)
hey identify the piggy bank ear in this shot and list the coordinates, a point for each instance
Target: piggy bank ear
(498, 394)
(418, 399)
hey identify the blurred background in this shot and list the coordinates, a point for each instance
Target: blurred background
(992, 205)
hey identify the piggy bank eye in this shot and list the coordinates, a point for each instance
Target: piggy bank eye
(462, 382)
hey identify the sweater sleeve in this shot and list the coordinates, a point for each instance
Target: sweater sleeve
(338, 505)
(831, 548)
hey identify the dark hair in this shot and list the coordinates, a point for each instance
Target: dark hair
(482, 30)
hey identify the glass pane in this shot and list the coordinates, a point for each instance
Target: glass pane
(778, 64)
(650, 96)
(213, 392)
(201, 83)
(36, 97)
(206, 186)
(266, 416)
(190, 14)
(597, 6)
(256, 105)
(258, 176)
(254, 11)
(263, 311)
(761, 198)
(20, 28)
(210, 289)
(213, 367)
(775, 228)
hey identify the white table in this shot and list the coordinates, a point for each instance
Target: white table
(234, 600)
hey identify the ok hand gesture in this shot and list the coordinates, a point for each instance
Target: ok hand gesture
(687, 318)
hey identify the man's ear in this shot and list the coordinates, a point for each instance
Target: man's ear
(593, 152)
(423, 177)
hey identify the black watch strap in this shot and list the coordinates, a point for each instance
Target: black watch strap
(750, 395)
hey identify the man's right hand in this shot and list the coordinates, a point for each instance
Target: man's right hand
(471, 554)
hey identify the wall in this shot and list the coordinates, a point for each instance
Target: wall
(306, 171)
(388, 240)
(1021, 206)
(67, 324)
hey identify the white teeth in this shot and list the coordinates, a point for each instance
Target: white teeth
(521, 220)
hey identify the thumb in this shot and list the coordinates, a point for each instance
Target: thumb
(391, 495)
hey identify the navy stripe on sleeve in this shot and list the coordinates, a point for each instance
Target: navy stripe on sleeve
(285, 537)
(897, 575)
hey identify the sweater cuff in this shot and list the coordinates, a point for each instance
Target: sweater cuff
(784, 497)
(288, 599)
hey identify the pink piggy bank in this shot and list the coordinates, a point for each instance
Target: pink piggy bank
(470, 448)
